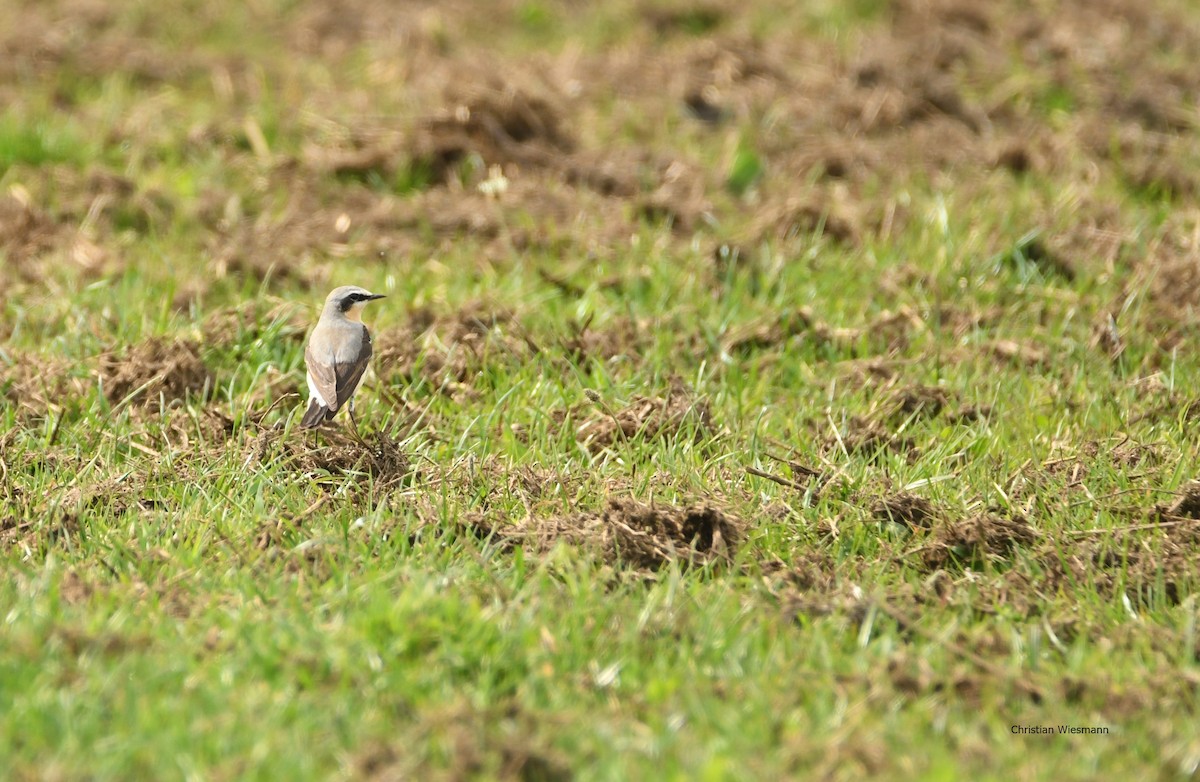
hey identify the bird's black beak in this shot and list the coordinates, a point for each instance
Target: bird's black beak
(375, 296)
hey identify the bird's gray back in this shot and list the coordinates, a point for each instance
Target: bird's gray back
(340, 341)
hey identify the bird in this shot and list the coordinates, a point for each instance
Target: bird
(337, 355)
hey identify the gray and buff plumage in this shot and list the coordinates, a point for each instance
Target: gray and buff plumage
(338, 354)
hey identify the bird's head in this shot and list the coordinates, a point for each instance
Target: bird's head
(349, 300)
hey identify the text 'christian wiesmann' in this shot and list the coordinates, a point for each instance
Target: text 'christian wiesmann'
(1058, 729)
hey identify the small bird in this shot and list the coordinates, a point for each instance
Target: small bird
(337, 356)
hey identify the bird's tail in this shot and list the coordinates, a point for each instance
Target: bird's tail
(316, 415)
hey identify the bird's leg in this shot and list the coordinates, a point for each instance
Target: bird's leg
(354, 422)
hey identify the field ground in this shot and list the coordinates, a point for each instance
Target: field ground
(759, 394)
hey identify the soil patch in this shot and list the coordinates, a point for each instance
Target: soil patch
(630, 533)
(887, 332)
(975, 541)
(187, 430)
(918, 402)
(378, 460)
(645, 418)
(60, 512)
(501, 122)
(908, 510)
(1017, 353)
(1166, 281)
(248, 323)
(490, 127)
(37, 384)
(26, 233)
(1123, 454)
(446, 353)
(1148, 563)
(625, 338)
(859, 435)
(502, 741)
(1185, 506)
(155, 373)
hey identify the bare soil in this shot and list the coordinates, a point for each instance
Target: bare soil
(631, 533)
(155, 373)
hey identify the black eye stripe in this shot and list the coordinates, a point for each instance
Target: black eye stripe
(350, 299)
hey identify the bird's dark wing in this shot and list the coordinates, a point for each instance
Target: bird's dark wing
(349, 373)
(323, 375)
(316, 415)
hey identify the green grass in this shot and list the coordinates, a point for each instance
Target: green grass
(185, 602)
(39, 143)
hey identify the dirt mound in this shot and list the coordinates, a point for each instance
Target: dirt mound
(1147, 563)
(908, 510)
(525, 752)
(1120, 454)
(155, 373)
(378, 459)
(60, 513)
(887, 332)
(919, 402)
(118, 494)
(188, 429)
(1017, 353)
(804, 216)
(490, 127)
(38, 384)
(634, 534)
(447, 352)
(33, 243)
(501, 122)
(972, 542)
(810, 571)
(247, 323)
(1166, 283)
(866, 436)
(26, 233)
(645, 418)
(56, 217)
(1185, 506)
(533, 484)
(624, 338)
(85, 37)
(271, 247)
(99, 200)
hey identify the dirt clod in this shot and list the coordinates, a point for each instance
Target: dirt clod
(36, 384)
(645, 418)
(972, 542)
(862, 435)
(635, 534)
(447, 352)
(919, 402)
(1017, 353)
(26, 232)
(908, 510)
(1187, 505)
(377, 459)
(155, 373)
